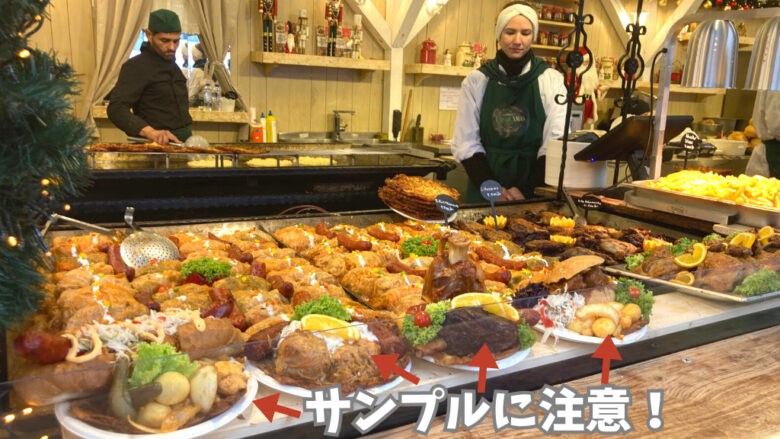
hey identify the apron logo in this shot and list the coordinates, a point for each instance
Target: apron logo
(510, 121)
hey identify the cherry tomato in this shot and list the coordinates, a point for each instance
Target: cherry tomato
(634, 292)
(426, 242)
(422, 320)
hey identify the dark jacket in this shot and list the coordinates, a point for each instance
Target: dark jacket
(155, 89)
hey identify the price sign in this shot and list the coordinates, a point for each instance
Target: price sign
(491, 191)
(690, 142)
(447, 205)
(589, 202)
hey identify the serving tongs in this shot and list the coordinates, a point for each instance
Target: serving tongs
(137, 250)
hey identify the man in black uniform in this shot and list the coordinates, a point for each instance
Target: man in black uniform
(153, 86)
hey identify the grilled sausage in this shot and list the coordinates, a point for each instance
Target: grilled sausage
(530, 315)
(503, 276)
(384, 235)
(491, 258)
(236, 316)
(322, 229)
(263, 342)
(116, 262)
(41, 347)
(217, 310)
(398, 267)
(353, 244)
(258, 269)
(285, 288)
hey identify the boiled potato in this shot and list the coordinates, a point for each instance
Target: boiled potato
(152, 414)
(175, 388)
(632, 310)
(617, 305)
(178, 418)
(625, 321)
(587, 332)
(203, 385)
(603, 327)
(594, 311)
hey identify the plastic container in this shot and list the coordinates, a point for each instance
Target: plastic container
(557, 14)
(257, 129)
(216, 98)
(578, 175)
(729, 147)
(547, 13)
(271, 134)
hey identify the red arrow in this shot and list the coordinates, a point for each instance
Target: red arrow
(483, 360)
(387, 365)
(606, 351)
(270, 405)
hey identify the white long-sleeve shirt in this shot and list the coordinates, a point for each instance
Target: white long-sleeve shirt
(465, 139)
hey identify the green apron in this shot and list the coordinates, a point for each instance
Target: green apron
(511, 124)
(182, 133)
(773, 157)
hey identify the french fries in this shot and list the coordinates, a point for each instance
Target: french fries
(752, 190)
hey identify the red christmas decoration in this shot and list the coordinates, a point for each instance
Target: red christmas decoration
(733, 4)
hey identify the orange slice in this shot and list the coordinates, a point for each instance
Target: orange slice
(333, 326)
(745, 239)
(568, 240)
(765, 233)
(691, 260)
(684, 278)
(651, 244)
(562, 221)
(489, 302)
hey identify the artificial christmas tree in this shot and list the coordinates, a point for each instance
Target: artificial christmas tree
(42, 157)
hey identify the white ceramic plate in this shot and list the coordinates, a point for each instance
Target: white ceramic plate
(502, 364)
(441, 221)
(271, 382)
(86, 431)
(565, 334)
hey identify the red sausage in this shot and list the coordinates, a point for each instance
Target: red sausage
(258, 269)
(284, 287)
(174, 239)
(503, 276)
(531, 316)
(236, 316)
(42, 348)
(353, 244)
(491, 258)
(116, 262)
(384, 235)
(398, 267)
(217, 310)
(322, 229)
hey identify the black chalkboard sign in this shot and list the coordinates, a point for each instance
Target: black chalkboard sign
(690, 142)
(589, 202)
(447, 205)
(491, 191)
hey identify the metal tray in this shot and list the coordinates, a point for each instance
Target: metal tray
(707, 294)
(704, 208)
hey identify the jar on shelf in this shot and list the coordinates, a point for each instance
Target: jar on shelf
(563, 39)
(569, 15)
(538, 8)
(555, 39)
(557, 14)
(547, 13)
(462, 54)
(428, 52)
(544, 37)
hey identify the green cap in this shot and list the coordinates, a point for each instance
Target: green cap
(164, 20)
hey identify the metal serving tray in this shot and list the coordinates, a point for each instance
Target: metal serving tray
(704, 208)
(620, 270)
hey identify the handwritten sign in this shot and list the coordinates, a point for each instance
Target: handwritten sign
(448, 98)
(447, 205)
(690, 142)
(491, 191)
(589, 202)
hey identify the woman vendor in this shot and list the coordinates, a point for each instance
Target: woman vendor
(765, 159)
(507, 111)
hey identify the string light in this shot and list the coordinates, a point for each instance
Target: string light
(38, 17)
(13, 242)
(45, 436)
(45, 193)
(45, 182)
(66, 207)
(9, 418)
(27, 411)
(23, 53)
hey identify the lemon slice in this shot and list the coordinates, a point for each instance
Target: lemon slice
(765, 233)
(568, 240)
(333, 326)
(490, 303)
(684, 278)
(745, 239)
(691, 260)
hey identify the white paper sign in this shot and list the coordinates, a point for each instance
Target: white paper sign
(448, 98)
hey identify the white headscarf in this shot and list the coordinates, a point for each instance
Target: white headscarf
(513, 11)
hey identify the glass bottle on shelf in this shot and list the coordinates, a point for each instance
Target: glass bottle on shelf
(216, 98)
(206, 94)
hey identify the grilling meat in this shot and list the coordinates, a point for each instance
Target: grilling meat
(617, 249)
(545, 247)
(452, 274)
(719, 272)
(524, 230)
(466, 329)
(303, 356)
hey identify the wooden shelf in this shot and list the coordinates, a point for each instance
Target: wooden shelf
(422, 71)
(542, 47)
(745, 43)
(99, 112)
(556, 23)
(674, 88)
(271, 60)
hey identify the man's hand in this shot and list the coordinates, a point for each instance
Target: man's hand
(161, 137)
(511, 194)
